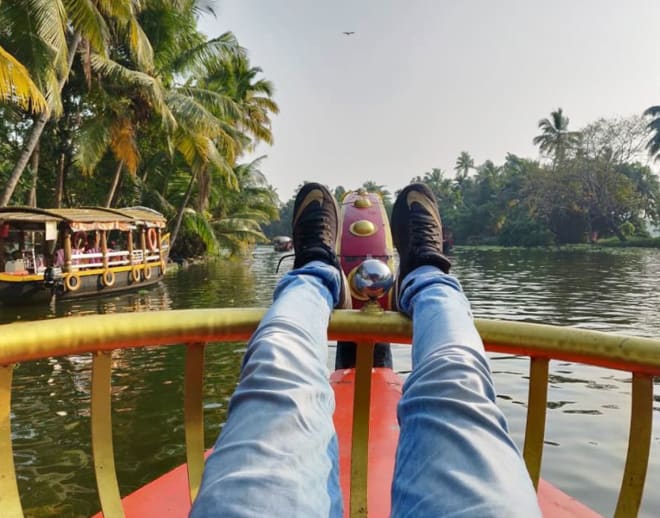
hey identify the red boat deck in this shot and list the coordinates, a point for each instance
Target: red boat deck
(167, 496)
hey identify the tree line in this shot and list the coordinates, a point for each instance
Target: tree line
(589, 184)
(118, 102)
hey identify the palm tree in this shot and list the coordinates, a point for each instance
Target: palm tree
(246, 103)
(196, 121)
(464, 163)
(236, 222)
(240, 81)
(124, 100)
(555, 139)
(654, 127)
(220, 108)
(91, 22)
(242, 212)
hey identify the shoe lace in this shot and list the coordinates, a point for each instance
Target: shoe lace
(309, 228)
(279, 263)
(425, 235)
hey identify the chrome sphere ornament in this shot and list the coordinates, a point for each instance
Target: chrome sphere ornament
(372, 279)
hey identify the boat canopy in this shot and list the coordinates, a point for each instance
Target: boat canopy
(84, 219)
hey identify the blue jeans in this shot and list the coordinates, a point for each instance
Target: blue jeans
(277, 453)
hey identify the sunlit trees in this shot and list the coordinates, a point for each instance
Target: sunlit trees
(142, 109)
(617, 139)
(555, 140)
(64, 26)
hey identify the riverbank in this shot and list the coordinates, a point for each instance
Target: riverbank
(637, 242)
(633, 242)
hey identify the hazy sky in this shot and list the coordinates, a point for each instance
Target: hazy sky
(422, 80)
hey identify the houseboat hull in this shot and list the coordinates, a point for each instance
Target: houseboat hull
(34, 289)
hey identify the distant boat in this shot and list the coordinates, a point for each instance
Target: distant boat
(69, 253)
(282, 243)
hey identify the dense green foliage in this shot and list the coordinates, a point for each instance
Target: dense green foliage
(593, 185)
(143, 109)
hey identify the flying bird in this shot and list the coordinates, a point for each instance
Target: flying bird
(348, 33)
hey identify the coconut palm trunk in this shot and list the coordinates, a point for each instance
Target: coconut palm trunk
(37, 130)
(34, 165)
(179, 216)
(115, 183)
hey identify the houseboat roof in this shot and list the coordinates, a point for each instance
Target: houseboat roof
(86, 218)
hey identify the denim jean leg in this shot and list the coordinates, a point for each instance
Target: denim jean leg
(455, 456)
(277, 453)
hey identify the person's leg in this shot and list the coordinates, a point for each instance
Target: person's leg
(277, 454)
(455, 456)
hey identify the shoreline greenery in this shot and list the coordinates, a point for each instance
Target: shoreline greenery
(591, 186)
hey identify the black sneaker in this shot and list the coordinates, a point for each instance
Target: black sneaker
(315, 228)
(417, 232)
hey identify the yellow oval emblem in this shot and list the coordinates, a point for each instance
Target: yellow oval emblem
(362, 203)
(362, 228)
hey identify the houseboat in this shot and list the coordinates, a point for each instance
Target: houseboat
(282, 243)
(68, 253)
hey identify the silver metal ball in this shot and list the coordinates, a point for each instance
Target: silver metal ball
(372, 279)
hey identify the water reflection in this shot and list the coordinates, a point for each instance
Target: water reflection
(152, 298)
(588, 408)
(613, 290)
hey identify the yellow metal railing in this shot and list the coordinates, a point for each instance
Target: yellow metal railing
(100, 334)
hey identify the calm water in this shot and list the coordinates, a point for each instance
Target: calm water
(588, 407)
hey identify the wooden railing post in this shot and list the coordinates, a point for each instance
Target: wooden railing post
(194, 416)
(360, 435)
(102, 449)
(537, 403)
(10, 502)
(639, 445)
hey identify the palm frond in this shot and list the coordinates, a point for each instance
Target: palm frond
(92, 143)
(254, 214)
(16, 85)
(243, 228)
(653, 111)
(51, 87)
(89, 22)
(140, 46)
(265, 103)
(120, 10)
(50, 19)
(123, 145)
(147, 84)
(198, 61)
(653, 144)
(192, 114)
(222, 165)
(219, 104)
(197, 224)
